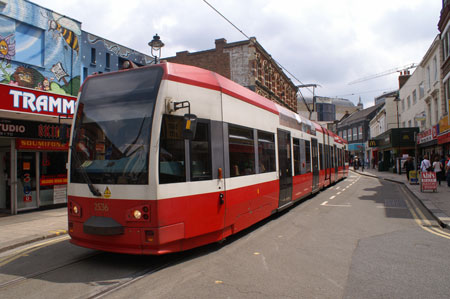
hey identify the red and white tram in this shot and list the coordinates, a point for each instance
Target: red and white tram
(169, 157)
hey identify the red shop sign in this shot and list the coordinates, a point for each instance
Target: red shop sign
(19, 99)
(50, 145)
(428, 180)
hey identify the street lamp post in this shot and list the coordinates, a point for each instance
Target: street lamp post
(156, 44)
(398, 161)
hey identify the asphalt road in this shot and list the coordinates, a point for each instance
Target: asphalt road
(362, 238)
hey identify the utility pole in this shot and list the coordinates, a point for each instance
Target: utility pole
(314, 98)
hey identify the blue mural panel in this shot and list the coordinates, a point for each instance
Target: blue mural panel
(39, 48)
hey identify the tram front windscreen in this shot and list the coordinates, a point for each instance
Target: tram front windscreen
(112, 128)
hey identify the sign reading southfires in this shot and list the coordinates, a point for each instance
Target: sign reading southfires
(21, 99)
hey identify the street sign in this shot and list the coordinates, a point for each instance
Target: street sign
(413, 179)
(428, 181)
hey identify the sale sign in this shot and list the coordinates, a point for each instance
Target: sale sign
(428, 181)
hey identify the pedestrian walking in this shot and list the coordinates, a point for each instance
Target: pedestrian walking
(425, 165)
(409, 165)
(438, 169)
(447, 170)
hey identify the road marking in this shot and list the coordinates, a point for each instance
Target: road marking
(26, 251)
(332, 197)
(338, 193)
(325, 203)
(420, 218)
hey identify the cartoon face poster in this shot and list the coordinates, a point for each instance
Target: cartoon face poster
(39, 48)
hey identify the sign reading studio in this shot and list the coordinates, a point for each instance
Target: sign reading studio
(28, 129)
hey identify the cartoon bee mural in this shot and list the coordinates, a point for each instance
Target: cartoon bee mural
(66, 28)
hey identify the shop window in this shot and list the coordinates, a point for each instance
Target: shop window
(242, 151)
(201, 154)
(29, 44)
(171, 151)
(53, 177)
(266, 152)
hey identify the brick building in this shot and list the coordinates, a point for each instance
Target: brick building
(247, 63)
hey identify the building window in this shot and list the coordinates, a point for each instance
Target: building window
(355, 133)
(349, 134)
(446, 97)
(403, 105)
(421, 90)
(435, 69)
(429, 115)
(108, 61)
(85, 73)
(29, 44)
(436, 110)
(428, 78)
(408, 100)
(242, 151)
(414, 97)
(360, 132)
(409, 123)
(93, 56)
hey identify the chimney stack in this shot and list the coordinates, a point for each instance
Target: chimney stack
(404, 76)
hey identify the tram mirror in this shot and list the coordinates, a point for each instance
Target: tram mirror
(63, 133)
(190, 125)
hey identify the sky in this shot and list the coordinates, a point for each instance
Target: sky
(326, 42)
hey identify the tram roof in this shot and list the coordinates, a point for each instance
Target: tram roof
(208, 79)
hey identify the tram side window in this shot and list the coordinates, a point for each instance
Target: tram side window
(321, 156)
(266, 152)
(297, 160)
(200, 154)
(171, 151)
(308, 156)
(242, 151)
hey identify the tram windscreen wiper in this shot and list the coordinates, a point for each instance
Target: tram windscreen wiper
(84, 174)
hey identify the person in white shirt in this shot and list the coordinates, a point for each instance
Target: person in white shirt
(425, 164)
(437, 167)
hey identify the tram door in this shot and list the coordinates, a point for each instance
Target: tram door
(315, 164)
(327, 150)
(284, 162)
(336, 162)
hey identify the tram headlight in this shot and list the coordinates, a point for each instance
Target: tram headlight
(137, 214)
(74, 209)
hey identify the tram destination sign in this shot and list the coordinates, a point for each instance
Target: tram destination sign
(28, 129)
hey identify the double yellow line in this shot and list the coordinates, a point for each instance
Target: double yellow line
(24, 252)
(420, 218)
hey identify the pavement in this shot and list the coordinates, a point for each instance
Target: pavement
(29, 227)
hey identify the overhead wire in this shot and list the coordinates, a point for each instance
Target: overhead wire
(242, 32)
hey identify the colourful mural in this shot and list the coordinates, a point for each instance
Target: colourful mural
(39, 48)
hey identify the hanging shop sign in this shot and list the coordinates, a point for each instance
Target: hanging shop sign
(427, 135)
(46, 145)
(19, 99)
(29, 129)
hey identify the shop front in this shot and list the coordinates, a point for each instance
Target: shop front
(428, 143)
(395, 144)
(32, 160)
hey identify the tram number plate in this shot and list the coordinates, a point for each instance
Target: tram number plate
(101, 207)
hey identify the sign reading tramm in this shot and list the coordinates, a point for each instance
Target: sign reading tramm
(20, 99)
